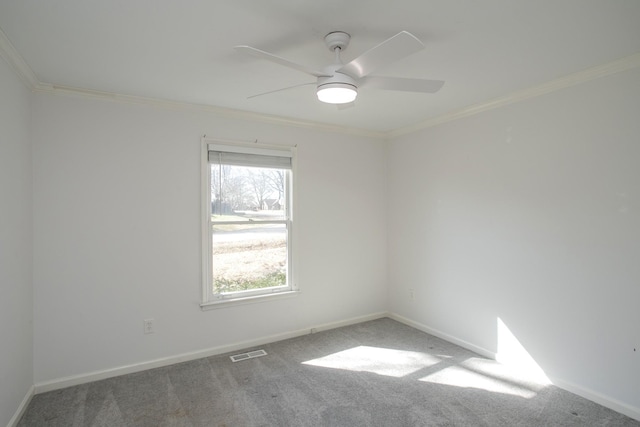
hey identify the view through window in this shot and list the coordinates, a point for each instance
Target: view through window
(250, 224)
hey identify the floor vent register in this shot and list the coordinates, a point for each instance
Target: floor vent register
(249, 355)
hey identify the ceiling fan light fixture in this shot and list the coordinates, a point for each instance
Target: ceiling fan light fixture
(337, 93)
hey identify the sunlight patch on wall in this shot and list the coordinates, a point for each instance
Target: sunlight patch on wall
(513, 354)
(381, 361)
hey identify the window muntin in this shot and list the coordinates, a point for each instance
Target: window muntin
(248, 222)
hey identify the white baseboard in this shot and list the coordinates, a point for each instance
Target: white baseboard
(623, 408)
(59, 383)
(450, 338)
(601, 399)
(23, 406)
(606, 401)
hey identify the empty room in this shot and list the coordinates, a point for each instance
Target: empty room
(303, 213)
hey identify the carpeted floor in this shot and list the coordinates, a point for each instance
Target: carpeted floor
(378, 373)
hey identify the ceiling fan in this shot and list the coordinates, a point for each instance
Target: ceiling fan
(338, 83)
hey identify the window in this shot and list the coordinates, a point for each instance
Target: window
(247, 222)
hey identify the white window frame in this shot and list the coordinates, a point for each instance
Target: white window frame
(209, 299)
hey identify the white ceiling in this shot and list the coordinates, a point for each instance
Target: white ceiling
(183, 50)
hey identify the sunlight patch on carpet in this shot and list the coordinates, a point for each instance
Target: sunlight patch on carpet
(381, 361)
(460, 376)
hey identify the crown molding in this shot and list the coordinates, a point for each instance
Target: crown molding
(13, 58)
(620, 65)
(218, 111)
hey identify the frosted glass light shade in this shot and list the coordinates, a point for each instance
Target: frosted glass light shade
(337, 93)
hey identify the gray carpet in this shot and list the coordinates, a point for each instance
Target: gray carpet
(378, 373)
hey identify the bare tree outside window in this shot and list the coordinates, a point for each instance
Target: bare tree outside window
(229, 190)
(259, 186)
(275, 181)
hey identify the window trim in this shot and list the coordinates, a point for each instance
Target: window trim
(207, 301)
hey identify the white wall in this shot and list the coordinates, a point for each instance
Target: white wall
(531, 214)
(16, 291)
(117, 223)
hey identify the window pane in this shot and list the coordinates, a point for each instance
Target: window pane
(241, 193)
(249, 256)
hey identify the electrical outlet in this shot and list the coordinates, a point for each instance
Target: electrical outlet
(149, 327)
(411, 294)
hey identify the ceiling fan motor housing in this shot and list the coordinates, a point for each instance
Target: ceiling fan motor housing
(334, 77)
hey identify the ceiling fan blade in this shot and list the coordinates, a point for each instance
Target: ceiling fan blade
(279, 60)
(397, 47)
(402, 84)
(281, 89)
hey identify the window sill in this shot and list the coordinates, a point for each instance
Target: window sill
(214, 305)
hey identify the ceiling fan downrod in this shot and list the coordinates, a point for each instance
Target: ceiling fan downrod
(337, 88)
